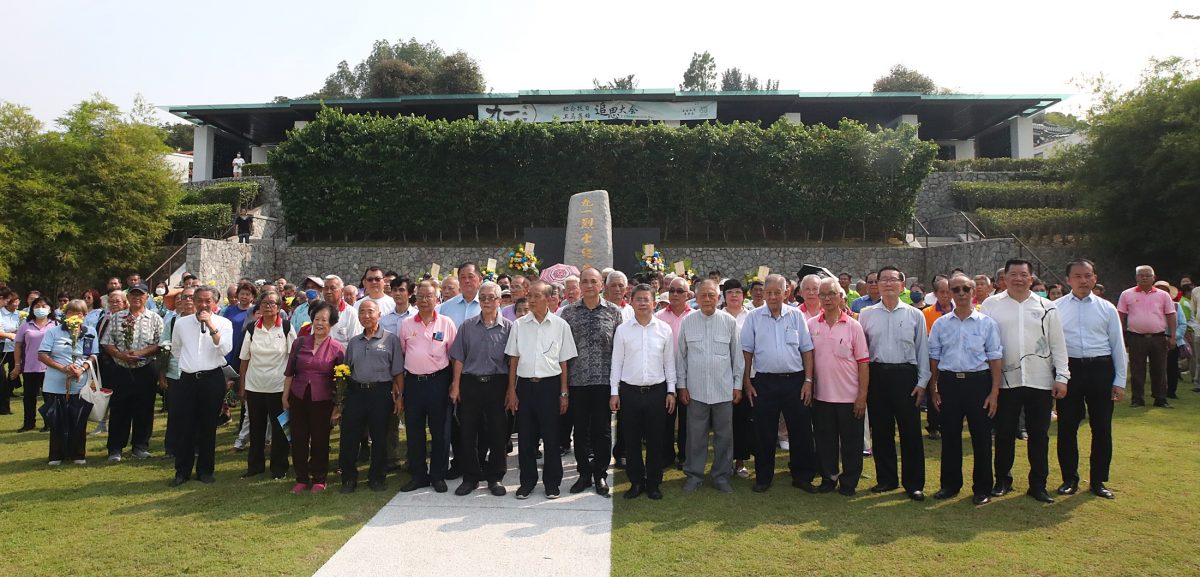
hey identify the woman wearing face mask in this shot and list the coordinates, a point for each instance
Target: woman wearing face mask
(31, 369)
(916, 295)
(300, 314)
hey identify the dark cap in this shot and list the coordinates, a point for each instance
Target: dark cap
(138, 287)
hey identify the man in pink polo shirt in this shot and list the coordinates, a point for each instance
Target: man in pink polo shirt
(426, 338)
(1148, 317)
(841, 375)
(677, 309)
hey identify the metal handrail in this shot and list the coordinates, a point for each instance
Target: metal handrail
(918, 222)
(972, 223)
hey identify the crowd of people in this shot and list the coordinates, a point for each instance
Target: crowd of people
(830, 371)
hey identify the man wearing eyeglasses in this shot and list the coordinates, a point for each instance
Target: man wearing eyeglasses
(1035, 373)
(458, 308)
(872, 296)
(965, 362)
(425, 340)
(677, 309)
(373, 284)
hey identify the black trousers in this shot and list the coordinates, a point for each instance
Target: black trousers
(169, 436)
(1147, 350)
(483, 427)
(195, 406)
(1037, 404)
(1089, 392)
(645, 411)
(675, 434)
(780, 394)
(592, 422)
(75, 447)
(838, 433)
(132, 407)
(29, 397)
(538, 419)
(264, 409)
(892, 407)
(1172, 371)
(933, 418)
(618, 450)
(6, 385)
(427, 402)
(743, 430)
(566, 424)
(963, 398)
(365, 408)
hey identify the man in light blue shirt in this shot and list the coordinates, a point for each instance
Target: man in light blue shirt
(1096, 359)
(965, 362)
(776, 344)
(466, 304)
(871, 298)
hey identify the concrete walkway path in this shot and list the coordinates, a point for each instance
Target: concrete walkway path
(427, 533)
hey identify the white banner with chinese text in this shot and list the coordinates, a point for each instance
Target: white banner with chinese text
(603, 110)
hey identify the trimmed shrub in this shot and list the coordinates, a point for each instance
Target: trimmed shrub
(235, 195)
(256, 169)
(1035, 165)
(1035, 223)
(207, 220)
(971, 196)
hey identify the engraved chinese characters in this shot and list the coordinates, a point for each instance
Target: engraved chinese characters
(589, 231)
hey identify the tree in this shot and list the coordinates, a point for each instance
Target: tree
(17, 125)
(457, 74)
(902, 79)
(619, 83)
(731, 80)
(701, 73)
(392, 78)
(1139, 170)
(178, 135)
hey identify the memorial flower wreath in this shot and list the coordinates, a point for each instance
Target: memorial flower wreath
(522, 262)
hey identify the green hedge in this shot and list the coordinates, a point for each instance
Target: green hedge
(232, 194)
(207, 220)
(350, 176)
(971, 196)
(1036, 223)
(256, 169)
(990, 165)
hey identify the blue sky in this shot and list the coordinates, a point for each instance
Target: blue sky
(57, 53)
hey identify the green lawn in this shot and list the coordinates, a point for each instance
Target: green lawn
(133, 524)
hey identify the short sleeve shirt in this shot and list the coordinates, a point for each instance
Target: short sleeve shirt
(593, 330)
(1146, 312)
(837, 352)
(129, 333)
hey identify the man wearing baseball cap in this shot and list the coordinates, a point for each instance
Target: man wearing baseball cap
(132, 339)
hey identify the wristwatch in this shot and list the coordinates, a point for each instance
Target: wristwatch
(808, 380)
(564, 395)
(672, 393)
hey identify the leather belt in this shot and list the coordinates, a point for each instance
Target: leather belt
(1107, 359)
(893, 366)
(779, 375)
(430, 375)
(963, 374)
(198, 374)
(642, 388)
(359, 385)
(487, 378)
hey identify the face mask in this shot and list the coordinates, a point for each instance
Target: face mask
(916, 296)
(1041, 294)
(311, 294)
(41, 312)
(160, 291)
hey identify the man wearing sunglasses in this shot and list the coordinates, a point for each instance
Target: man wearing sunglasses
(373, 284)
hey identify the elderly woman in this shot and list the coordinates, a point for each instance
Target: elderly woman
(309, 395)
(27, 364)
(264, 356)
(67, 351)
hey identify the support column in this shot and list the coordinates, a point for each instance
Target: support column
(300, 124)
(1020, 137)
(963, 149)
(793, 117)
(204, 141)
(671, 123)
(258, 154)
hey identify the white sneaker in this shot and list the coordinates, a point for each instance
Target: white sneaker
(80, 461)
(743, 473)
(114, 458)
(785, 445)
(141, 454)
(55, 463)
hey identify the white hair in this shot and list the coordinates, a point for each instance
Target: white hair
(489, 285)
(830, 281)
(570, 278)
(615, 274)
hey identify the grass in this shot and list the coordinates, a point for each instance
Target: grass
(122, 519)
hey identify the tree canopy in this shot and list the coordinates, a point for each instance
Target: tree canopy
(903, 79)
(405, 67)
(701, 73)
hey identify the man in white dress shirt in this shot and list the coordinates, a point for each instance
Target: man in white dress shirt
(200, 342)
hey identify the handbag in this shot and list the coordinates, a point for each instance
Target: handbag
(95, 393)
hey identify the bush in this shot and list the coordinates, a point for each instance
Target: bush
(990, 165)
(235, 195)
(256, 169)
(373, 177)
(1034, 223)
(207, 220)
(970, 196)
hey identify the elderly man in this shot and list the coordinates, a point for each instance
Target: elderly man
(872, 296)
(347, 326)
(371, 395)
(593, 322)
(1148, 317)
(708, 376)
(615, 285)
(965, 363)
(777, 346)
(899, 372)
(571, 290)
(132, 340)
(983, 288)
(539, 346)
(201, 342)
(449, 288)
(350, 294)
(642, 387)
(465, 303)
(678, 293)
(811, 305)
(519, 289)
(1096, 358)
(477, 386)
(841, 378)
(1035, 373)
(426, 339)
(374, 284)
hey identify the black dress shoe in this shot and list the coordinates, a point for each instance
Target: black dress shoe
(1137, 403)
(655, 494)
(249, 474)
(552, 492)
(497, 489)
(846, 491)
(762, 487)
(413, 485)
(1040, 495)
(377, 486)
(25, 428)
(1163, 404)
(1099, 490)
(1172, 396)
(635, 491)
(944, 494)
(453, 473)
(580, 485)
(465, 488)
(917, 496)
(207, 479)
(827, 487)
(881, 488)
(803, 485)
(348, 487)
(177, 481)
(601, 487)
(981, 499)
(523, 492)
(1001, 489)
(1067, 489)
(439, 486)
